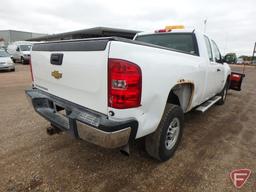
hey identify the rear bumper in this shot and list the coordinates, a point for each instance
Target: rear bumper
(81, 122)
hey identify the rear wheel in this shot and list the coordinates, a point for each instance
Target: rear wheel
(163, 143)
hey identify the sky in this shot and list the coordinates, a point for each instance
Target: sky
(231, 23)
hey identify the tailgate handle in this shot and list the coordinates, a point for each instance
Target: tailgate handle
(56, 58)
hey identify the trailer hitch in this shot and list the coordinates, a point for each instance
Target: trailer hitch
(53, 130)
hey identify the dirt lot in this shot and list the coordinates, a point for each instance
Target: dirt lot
(214, 143)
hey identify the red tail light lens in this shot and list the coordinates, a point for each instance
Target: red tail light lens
(124, 84)
(31, 72)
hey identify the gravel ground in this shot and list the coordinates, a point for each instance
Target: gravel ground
(214, 143)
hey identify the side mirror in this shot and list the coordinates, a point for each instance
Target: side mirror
(222, 59)
(18, 49)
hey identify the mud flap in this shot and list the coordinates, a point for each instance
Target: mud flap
(236, 81)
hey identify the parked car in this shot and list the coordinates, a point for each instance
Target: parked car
(230, 58)
(240, 60)
(6, 62)
(109, 91)
(20, 52)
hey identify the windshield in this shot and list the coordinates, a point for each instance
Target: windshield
(25, 47)
(4, 54)
(184, 42)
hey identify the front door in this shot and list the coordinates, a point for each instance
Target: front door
(219, 68)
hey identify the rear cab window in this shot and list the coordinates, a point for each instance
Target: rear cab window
(183, 42)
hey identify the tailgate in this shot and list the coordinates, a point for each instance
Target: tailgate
(73, 70)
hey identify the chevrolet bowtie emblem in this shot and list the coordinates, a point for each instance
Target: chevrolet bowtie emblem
(57, 74)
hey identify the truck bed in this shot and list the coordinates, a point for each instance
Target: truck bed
(81, 75)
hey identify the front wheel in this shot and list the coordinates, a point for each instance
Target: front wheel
(223, 95)
(22, 60)
(163, 143)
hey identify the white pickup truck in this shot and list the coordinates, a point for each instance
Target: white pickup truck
(109, 91)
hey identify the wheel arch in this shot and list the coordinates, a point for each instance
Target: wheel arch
(182, 94)
(228, 80)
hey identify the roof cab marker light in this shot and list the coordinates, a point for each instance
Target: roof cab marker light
(162, 31)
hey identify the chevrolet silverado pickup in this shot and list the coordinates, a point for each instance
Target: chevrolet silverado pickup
(110, 91)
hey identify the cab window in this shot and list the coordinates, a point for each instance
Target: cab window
(217, 55)
(209, 48)
(184, 42)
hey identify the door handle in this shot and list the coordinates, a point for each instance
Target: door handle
(56, 58)
(218, 70)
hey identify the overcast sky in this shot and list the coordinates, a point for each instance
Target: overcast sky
(232, 23)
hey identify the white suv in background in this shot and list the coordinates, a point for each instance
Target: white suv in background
(20, 52)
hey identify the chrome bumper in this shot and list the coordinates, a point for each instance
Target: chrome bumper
(81, 122)
(104, 139)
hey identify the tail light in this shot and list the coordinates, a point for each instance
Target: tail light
(124, 84)
(31, 72)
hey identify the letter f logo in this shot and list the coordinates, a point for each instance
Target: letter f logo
(239, 177)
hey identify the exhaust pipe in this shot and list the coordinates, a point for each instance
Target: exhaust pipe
(125, 150)
(53, 130)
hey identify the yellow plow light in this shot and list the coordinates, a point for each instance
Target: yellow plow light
(170, 27)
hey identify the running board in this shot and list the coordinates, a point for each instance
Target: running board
(206, 105)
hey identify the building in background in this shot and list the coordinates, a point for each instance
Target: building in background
(88, 33)
(10, 36)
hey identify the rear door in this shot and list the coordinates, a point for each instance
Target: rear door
(213, 72)
(73, 70)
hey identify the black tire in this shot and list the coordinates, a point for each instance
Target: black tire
(14, 61)
(223, 95)
(22, 60)
(156, 144)
(13, 70)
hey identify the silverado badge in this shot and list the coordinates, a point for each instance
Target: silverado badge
(57, 74)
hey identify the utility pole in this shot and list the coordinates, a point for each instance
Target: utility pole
(253, 53)
(205, 23)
